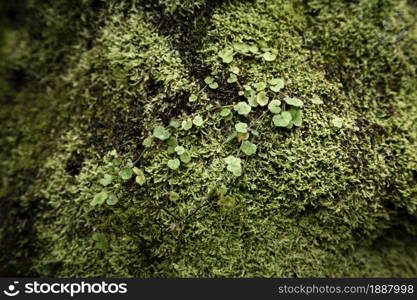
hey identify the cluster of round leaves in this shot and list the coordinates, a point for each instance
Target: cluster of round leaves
(165, 135)
(286, 110)
(118, 172)
(247, 49)
(264, 94)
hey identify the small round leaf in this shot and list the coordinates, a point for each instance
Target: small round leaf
(112, 200)
(262, 99)
(185, 157)
(147, 143)
(99, 198)
(293, 101)
(268, 56)
(161, 133)
(274, 106)
(241, 127)
(140, 176)
(242, 108)
(106, 180)
(213, 85)
(174, 164)
(248, 148)
(126, 173)
(232, 78)
(233, 165)
(186, 124)
(198, 121)
(283, 119)
(208, 80)
(179, 149)
(225, 112)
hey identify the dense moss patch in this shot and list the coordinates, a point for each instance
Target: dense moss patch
(124, 153)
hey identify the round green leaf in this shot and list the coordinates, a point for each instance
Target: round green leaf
(277, 84)
(274, 106)
(248, 148)
(260, 86)
(293, 101)
(174, 123)
(180, 150)
(99, 198)
(241, 127)
(174, 164)
(242, 108)
(208, 80)
(136, 170)
(241, 47)
(101, 241)
(247, 87)
(185, 157)
(233, 165)
(198, 121)
(186, 124)
(276, 81)
(161, 133)
(126, 173)
(232, 78)
(268, 56)
(234, 70)
(229, 117)
(262, 99)
(225, 112)
(252, 101)
(297, 116)
(106, 180)
(147, 143)
(226, 55)
(140, 176)
(213, 85)
(172, 142)
(170, 149)
(173, 196)
(283, 119)
(193, 98)
(242, 136)
(112, 200)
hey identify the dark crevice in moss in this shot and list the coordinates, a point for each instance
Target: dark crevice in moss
(17, 218)
(186, 32)
(75, 163)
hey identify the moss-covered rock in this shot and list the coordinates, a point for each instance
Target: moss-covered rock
(120, 155)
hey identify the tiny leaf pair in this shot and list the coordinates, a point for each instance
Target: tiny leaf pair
(101, 197)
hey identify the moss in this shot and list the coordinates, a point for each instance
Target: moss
(313, 201)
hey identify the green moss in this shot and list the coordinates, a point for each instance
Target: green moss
(314, 200)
